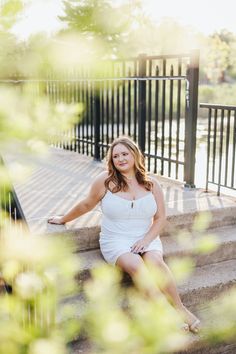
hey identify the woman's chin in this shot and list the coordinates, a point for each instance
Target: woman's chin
(123, 169)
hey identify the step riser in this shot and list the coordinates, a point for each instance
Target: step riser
(220, 218)
(229, 348)
(88, 238)
(194, 299)
(225, 252)
(191, 299)
(83, 346)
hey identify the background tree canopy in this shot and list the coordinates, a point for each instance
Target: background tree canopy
(102, 21)
(102, 29)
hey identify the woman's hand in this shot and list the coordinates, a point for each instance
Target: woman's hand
(140, 246)
(56, 220)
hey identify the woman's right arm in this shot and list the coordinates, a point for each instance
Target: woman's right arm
(96, 193)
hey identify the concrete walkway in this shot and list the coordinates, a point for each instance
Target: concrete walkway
(62, 178)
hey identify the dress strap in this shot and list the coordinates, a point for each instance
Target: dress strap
(104, 194)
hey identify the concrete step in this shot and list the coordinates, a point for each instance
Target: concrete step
(202, 348)
(205, 283)
(86, 237)
(196, 346)
(196, 343)
(225, 238)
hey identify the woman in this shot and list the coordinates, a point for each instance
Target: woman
(133, 216)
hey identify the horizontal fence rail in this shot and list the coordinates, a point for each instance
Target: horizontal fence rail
(152, 99)
(221, 146)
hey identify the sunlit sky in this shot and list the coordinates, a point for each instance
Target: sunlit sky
(204, 15)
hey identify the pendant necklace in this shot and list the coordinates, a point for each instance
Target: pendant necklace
(129, 182)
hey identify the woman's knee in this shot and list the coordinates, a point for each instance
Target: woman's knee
(131, 264)
(155, 258)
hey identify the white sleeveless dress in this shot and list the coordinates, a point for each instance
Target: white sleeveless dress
(124, 222)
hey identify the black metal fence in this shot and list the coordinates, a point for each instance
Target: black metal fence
(10, 213)
(10, 208)
(221, 146)
(153, 99)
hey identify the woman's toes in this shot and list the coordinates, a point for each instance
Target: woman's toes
(185, 327)
(195, 326)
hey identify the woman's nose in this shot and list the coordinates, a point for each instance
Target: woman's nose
(121, 158)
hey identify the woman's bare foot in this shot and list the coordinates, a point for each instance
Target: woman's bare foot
(192, 321)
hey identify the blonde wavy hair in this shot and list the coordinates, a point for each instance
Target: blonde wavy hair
(116, 177)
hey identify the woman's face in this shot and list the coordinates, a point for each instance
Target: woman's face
(123, 159)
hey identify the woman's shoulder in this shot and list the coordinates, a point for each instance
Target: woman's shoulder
(156, 184)
(98, 186)
(101, 177)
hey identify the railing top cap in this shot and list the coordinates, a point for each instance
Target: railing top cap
(216, 106)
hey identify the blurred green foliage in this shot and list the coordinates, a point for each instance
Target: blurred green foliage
(41, 272)
(42, 269)
(105, 24)
(102, 30)
(10, 12)
(120, 320)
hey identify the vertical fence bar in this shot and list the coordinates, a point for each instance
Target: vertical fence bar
(87, 112)
(123, 98)
(156, 118)
(91, 120)
(221, 149)
(112, 103)
(170, 120)
(208, 147)
(81, 121)
(58, 99)
(76, 101)
(135, 100)
(118, 105)
(129, 103)
(234, 148)
(149, 117)
(142, 103)
(163, 117)
(102, 106)
(191, 119)
(85, 109)
(214, 145)
(97, 120)
(107, 111)
(178, 118)
(227, 146)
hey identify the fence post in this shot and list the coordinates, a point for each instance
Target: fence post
(191, 118)
(142, 102)
(97, 120)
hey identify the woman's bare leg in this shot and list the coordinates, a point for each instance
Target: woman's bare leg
(134, 265)
(169, 288)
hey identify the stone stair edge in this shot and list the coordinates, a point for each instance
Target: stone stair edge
(225, 251)
(171, 220)
(196, 343)
(193, 293)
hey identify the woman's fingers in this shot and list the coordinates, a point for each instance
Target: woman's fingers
(138, 248)
(55, 220)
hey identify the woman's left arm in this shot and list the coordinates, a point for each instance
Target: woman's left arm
(159, 220)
